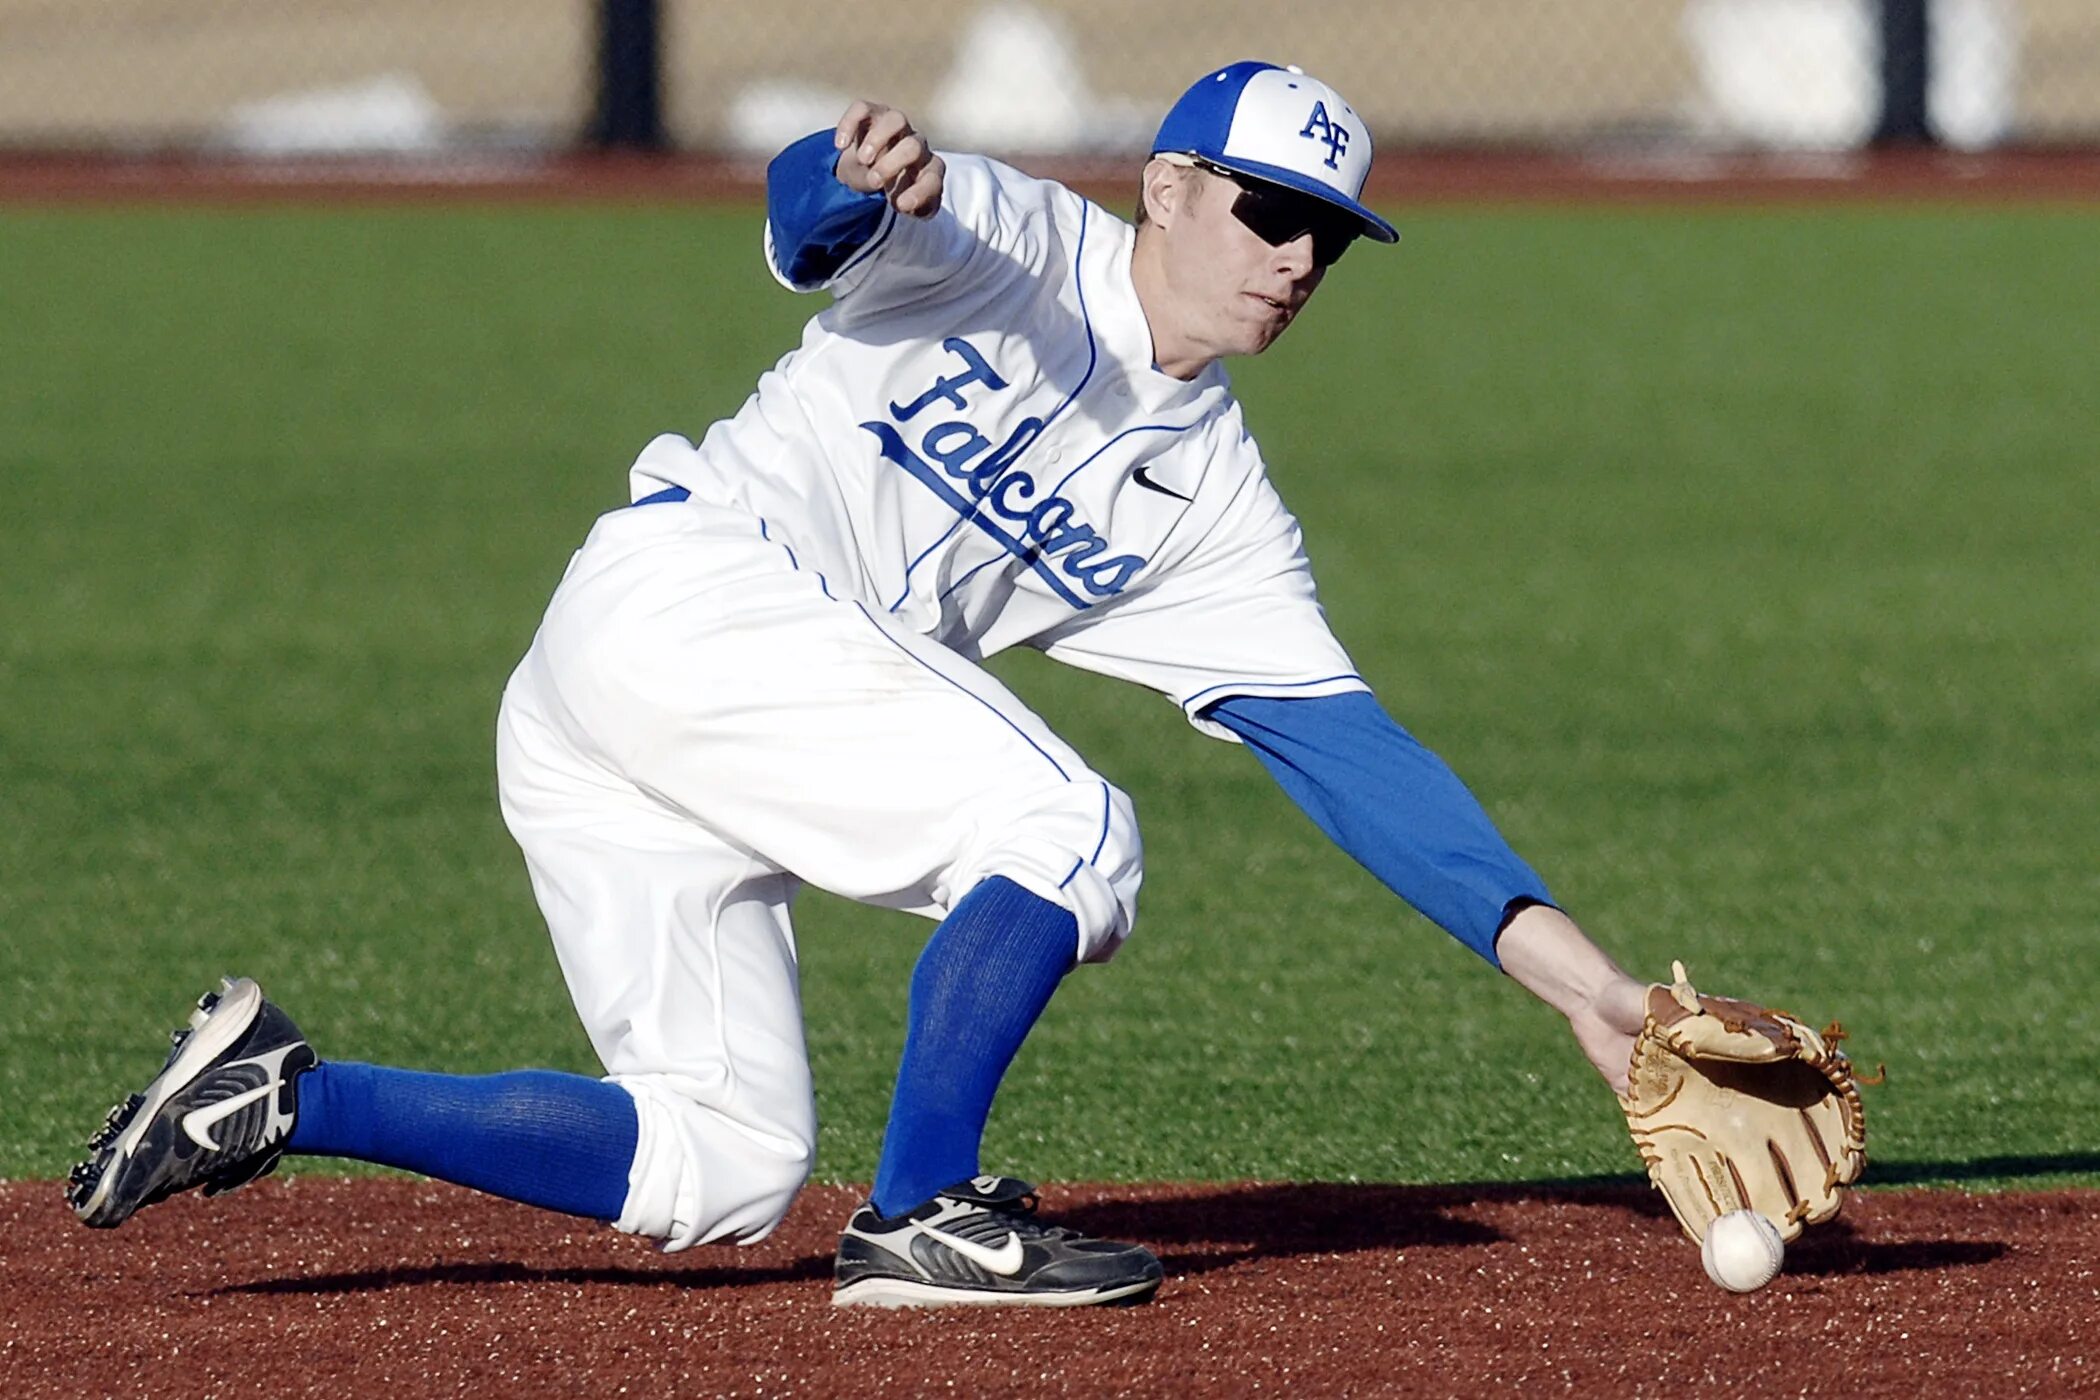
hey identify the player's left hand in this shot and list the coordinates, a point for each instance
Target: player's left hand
(879, 152)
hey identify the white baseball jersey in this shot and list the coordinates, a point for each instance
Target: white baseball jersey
(775, 682)
(974, 440)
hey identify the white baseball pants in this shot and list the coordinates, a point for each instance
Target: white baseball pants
(700, 727)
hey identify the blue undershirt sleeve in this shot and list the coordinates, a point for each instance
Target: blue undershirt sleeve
(817, 222)
(1393, 805)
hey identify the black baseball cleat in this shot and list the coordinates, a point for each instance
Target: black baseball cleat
(217, 1115)
(979, 1243)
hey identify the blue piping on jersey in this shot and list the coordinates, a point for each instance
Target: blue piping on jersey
(1104, 828)
(1059, 489)
(1268, 685)
(1003, 717)
(1106, 806)
(1093, 358)
(766, 535)
(671, 494)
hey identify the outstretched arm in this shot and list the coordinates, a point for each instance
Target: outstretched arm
(1392, 804)
(1400, 811)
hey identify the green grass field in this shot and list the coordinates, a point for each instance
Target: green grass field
(1743, 561)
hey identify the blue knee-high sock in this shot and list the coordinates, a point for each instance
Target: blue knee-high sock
(984, 978)
(561, 1141)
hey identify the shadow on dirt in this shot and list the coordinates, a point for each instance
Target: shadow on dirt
(1286, 1217)
(1216, 1227)
(805, 1270)
(1198, 1229)
(1835, 1248)
(1194, 1230)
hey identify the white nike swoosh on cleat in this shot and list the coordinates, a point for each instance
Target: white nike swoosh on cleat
(199, 1122)
(1005, 1260)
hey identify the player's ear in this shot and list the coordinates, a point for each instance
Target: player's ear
(1165, 190)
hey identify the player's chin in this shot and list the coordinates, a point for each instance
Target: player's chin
(1261, 322)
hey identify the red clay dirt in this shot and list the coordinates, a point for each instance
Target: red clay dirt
(320, 1286)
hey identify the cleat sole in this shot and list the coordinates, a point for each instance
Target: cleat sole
(910, 1293)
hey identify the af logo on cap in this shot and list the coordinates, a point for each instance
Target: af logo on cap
(1280, 125)
(1325, 128)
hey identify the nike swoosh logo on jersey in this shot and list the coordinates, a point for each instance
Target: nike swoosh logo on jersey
(199, 1122)
(1005, 1260)
(1143, 477)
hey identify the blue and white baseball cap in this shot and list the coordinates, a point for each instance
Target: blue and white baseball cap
(1279, 125)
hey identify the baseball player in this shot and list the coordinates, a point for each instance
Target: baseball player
(1010, 427)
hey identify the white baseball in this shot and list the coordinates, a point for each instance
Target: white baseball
(1742, 1251)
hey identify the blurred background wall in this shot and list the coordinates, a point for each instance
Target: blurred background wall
(319, 76)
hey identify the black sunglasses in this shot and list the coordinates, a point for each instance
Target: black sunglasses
(1277, 215)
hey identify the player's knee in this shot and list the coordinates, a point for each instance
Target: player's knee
(703, 1174)
(1076, 845)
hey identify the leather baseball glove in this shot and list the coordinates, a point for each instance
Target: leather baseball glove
(1735, 1106)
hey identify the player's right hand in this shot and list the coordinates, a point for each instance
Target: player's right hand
(879, 152)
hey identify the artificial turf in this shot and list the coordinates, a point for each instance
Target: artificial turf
(1742, 560)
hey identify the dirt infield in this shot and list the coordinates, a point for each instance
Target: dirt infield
(319, 1286)
(1403, 178)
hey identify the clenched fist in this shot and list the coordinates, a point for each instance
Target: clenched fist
(880, 153)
